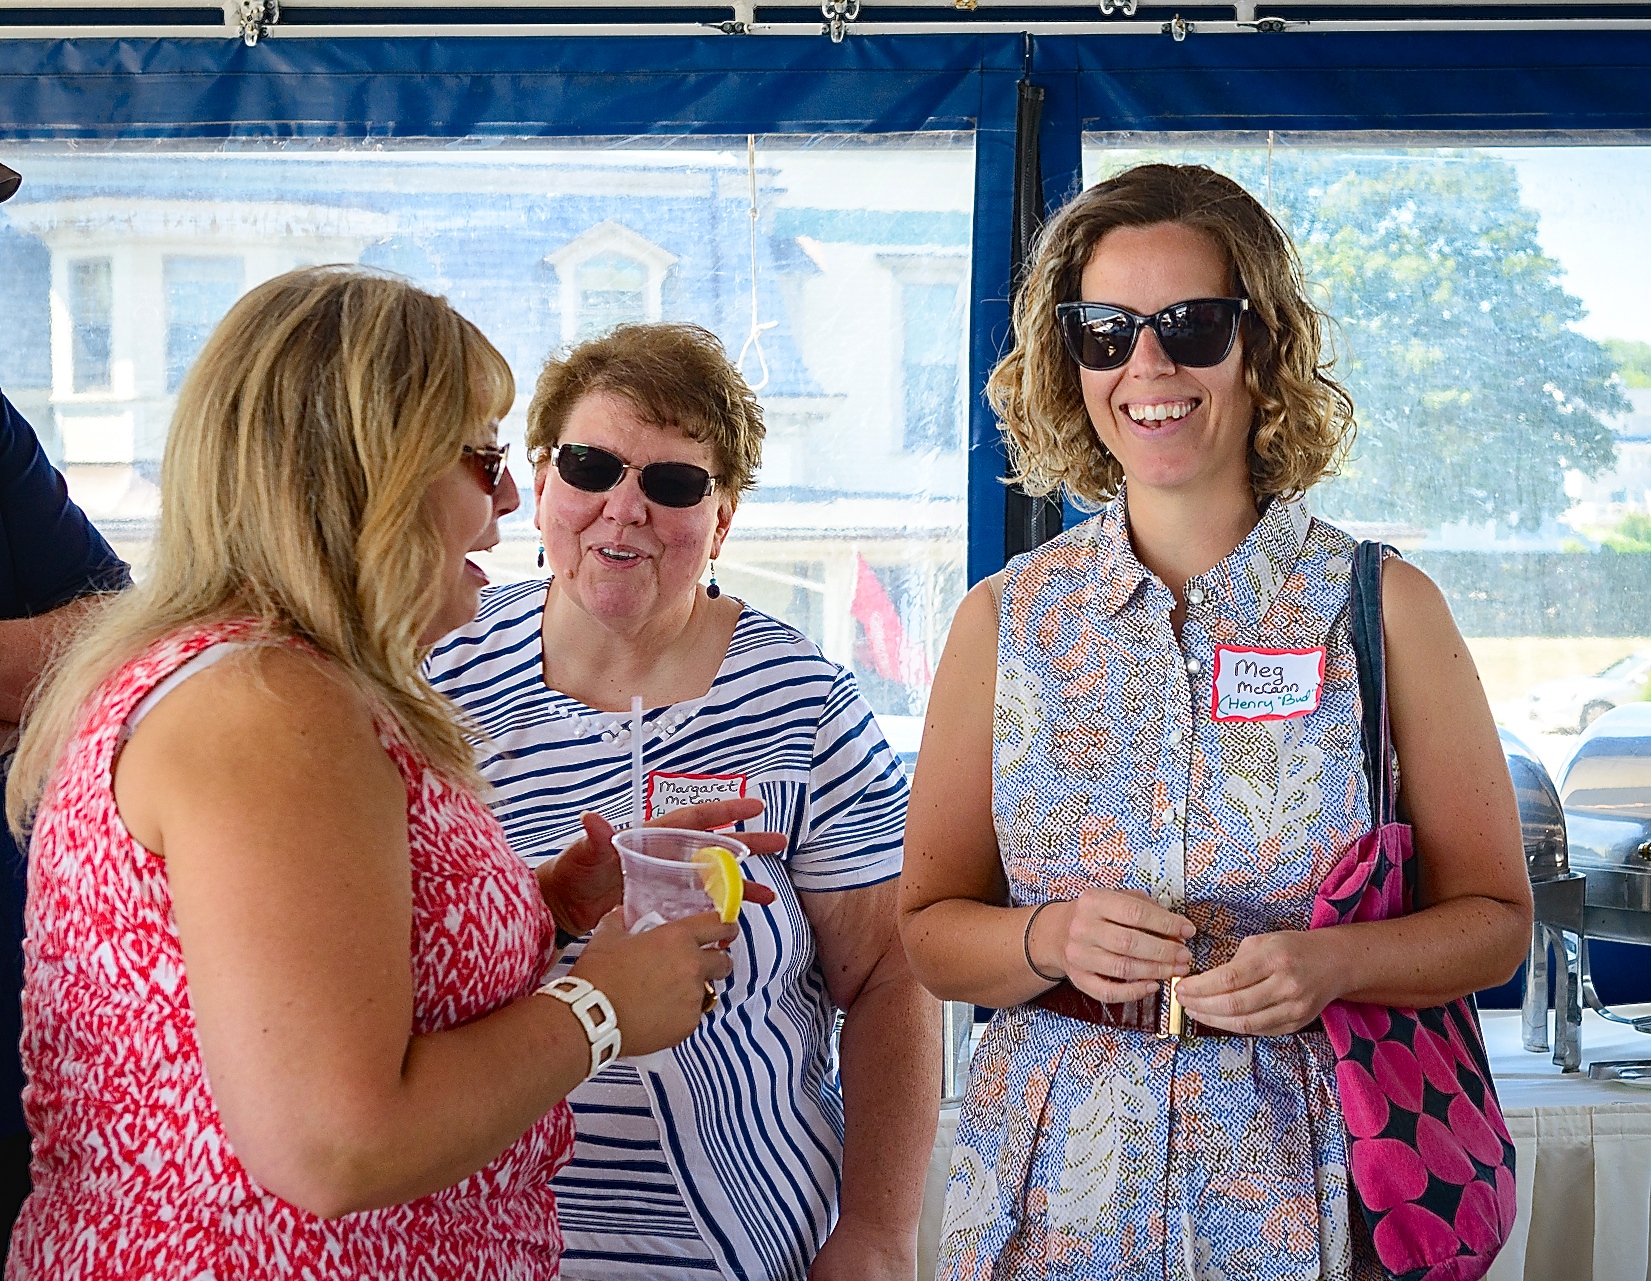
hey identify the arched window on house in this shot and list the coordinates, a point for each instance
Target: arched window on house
(607, 276)
(613, 290)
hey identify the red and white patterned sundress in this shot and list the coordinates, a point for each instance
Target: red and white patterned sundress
(133, 1174)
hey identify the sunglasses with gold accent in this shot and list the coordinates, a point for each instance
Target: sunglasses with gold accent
(490, 461)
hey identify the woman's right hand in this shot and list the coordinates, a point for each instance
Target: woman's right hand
(1113, 945)
(656, 980)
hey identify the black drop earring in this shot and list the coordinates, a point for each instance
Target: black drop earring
(712, 590)
(541, 555)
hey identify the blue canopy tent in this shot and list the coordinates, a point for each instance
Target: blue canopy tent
(320, 84)
(480, 71)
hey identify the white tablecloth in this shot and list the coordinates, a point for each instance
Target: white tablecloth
(1584, 1157)
(1584, 1160)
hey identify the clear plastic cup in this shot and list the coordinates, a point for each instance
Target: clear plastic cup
(662, 881)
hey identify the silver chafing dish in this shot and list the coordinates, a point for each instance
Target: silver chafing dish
(1558, 894)
(1599, 885)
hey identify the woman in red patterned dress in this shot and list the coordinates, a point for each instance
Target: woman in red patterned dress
(280, 1009)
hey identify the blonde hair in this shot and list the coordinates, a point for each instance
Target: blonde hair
(1303, 421)
(292, 492)
(677, 376)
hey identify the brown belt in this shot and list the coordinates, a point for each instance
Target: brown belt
(1135, 1016)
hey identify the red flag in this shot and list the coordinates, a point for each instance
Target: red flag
(892, 656)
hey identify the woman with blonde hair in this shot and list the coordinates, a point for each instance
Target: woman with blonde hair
(1114, 817)
(280, 1008)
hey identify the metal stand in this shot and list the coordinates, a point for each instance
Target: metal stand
(957, 1022)
(1591, 999)
(1559, 928)
(1567, 1039)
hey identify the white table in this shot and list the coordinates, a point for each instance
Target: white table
(1584, 1160)
(1584, 1157)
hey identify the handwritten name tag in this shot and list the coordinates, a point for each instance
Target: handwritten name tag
(1266, 684)
(667, 792)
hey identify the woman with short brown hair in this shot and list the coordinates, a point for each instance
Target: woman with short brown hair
(726, 1154)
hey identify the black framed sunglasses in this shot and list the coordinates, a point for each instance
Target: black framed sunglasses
(596, 471)
(1196, 333)
(490, 461)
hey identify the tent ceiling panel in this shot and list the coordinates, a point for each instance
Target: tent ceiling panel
(288, 19)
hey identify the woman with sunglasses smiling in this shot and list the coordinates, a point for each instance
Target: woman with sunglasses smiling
(1098, 811)
(724, 1156)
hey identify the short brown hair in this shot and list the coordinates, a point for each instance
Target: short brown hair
(1303, 418)
(677, 376)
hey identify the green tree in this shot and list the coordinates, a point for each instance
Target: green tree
(1633, 361)
(1631, 534)
(1474, 394)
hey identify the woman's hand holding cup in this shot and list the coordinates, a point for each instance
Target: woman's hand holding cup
(583, 884)
(1113, 945)
(656, 980)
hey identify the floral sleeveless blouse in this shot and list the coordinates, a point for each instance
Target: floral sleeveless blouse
(1221, 775)
(133, 1174)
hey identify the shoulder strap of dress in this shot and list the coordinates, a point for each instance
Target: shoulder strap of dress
(199, 663)
(994, 584)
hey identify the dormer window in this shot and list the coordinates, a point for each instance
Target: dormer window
(933, 411)
(609, 276)
(612, 291)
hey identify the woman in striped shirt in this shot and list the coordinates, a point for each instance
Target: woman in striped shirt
(739, 1153)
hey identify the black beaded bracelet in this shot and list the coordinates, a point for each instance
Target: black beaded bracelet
(1026, 946)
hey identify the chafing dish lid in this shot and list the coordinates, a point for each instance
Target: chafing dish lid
(1541, 820)
(1610, 771)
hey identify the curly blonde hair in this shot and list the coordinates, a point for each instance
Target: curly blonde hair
(1303, 417)
(677, 376)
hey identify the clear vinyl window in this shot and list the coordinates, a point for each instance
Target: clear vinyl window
(853, 326)
(90, 323)
(198, 293)
(1489, 312)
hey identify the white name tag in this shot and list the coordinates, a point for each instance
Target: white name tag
(1266, 684)
(667, 792)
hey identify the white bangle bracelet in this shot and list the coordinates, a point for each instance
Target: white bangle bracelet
(579, 996)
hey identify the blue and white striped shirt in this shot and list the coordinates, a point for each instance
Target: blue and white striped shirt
(724, 1154)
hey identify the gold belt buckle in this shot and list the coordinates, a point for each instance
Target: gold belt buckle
(1177, 1018)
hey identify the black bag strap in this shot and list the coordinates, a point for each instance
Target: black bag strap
(1369, 649)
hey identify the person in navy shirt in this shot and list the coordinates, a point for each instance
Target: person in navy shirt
(51, 561)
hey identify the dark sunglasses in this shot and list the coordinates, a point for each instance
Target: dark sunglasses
(490, 462)
(1196, 333)
(596, 471)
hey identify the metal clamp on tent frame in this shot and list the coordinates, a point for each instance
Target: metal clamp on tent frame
(253, 18)
(745, 15)
(838, 14)
(1125, 7)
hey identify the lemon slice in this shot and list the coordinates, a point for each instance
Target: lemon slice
(719, 872)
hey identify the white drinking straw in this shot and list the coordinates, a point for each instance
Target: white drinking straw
(636, 760)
